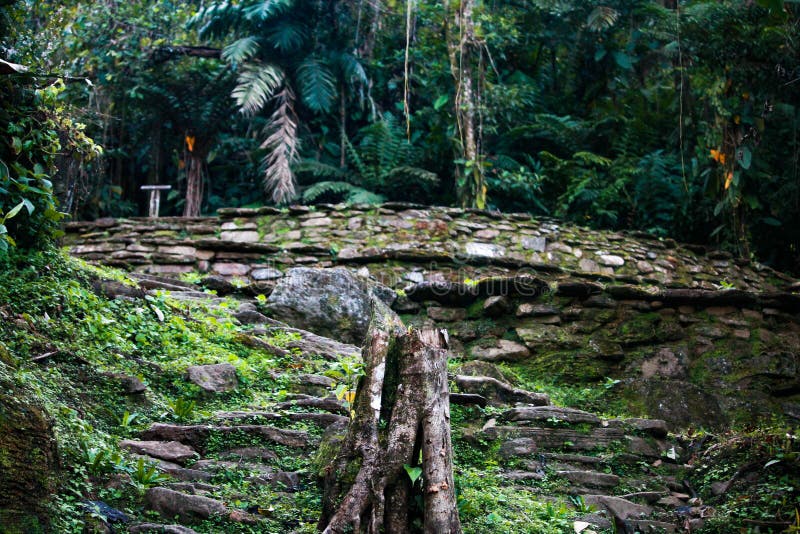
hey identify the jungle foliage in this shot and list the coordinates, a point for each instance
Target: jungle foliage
(674, 118)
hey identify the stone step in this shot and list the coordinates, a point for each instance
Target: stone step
(196, 435)
(171, 451)
(591, 479)
(525, 440)
(176, 471)
(528, 440)
(549, 414)
(158, 528)
(497, 392)
(321, 419)
(329, 404)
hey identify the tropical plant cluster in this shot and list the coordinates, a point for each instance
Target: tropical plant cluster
(674, 118)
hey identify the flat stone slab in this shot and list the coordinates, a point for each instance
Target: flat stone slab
(215, 378)
(549, 413)
(557, 438)
(592, 479)
(157, 528)
(196, 435)
(504, 350)
(171, 451)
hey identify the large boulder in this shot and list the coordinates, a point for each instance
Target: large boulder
(329, 302)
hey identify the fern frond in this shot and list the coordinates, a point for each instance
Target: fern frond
(317, 84)
(591, 157)
(282, 145)
(240, 50)
(317, 169)
(343, 190)
(255, 86)
(404, 174)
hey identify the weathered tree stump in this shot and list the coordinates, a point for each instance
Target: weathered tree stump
(401, 418)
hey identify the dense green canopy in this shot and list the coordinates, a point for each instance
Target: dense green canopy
(674, 118)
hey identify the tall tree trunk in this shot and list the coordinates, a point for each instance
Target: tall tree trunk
(401, 413)
(464, 52)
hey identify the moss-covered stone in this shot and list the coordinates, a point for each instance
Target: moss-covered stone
(28, 458)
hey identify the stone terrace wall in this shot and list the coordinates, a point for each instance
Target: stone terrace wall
(696, 337)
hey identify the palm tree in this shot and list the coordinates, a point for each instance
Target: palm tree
(292, 56)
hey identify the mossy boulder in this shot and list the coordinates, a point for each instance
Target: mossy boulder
(28, 458)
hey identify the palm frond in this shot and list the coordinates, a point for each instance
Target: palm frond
(282, 145)
(240, 50)
(261, 10)
(255, 86)
(601, 18)
(286, 35)
(317, 84)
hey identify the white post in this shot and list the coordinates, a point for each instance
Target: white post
(155, 197)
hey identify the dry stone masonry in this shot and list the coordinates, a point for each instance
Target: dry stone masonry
(695, 337)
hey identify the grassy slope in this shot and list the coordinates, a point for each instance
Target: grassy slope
(47, 304)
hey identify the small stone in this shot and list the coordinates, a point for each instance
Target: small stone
(644, 267)
(588, 265)
(247, 236)
(319, 221)
(266, 273)
(741, 334)
(231, 269)
(213, 378)
(488, 233)
(537, 244)
(528, 309)
(485, 250)
(610, 260)
(505, 350)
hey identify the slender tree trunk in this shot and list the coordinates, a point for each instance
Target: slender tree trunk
(401, 413)
(463, 52)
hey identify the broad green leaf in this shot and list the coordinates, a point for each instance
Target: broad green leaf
(772, 221)
(3, 170)
(745, 157)
(3, 229)
(441, 101)
(413, 472)
(623, 60)
(13, 211)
